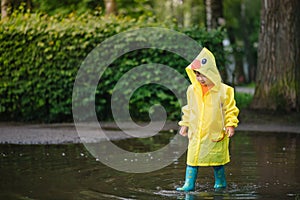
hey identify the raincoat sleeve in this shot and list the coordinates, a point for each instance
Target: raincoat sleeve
(231, 112)
(186, 111)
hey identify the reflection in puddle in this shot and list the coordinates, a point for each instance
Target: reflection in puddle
(263, 166)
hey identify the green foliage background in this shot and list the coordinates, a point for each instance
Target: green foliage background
(40, 56)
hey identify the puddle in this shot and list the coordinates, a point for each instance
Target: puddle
(263, 166)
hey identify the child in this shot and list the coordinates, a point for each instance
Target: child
(209, 119)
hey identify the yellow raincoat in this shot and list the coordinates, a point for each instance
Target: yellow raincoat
(207, 116)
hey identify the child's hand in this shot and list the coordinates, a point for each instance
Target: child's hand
(183, 131)
(230, 131)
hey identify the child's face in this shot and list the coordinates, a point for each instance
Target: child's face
(203, 80)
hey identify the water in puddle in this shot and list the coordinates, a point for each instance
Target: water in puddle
(263, 166)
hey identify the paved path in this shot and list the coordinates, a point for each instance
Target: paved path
(66, 133)
(17, 133)
(244, 90)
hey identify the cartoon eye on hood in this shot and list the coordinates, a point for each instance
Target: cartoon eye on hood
(196, 64)
(205, 64)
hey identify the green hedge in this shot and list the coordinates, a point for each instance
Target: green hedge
(40, 57)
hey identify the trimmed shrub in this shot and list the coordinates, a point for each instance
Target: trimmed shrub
(40, 57)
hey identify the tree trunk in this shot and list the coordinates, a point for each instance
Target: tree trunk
(247, 46)
(214, 19)
(297, 54)
(29, 4)
(187, 14)
(278, 56)
(238, 58)
(4, 8)
(110, 7)
(214, 14)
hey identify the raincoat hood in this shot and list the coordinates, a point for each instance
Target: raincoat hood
(204, 63)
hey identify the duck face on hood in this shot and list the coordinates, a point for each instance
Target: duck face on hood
(205, 64)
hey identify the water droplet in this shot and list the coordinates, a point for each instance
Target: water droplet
(267, 185)
(291, 195)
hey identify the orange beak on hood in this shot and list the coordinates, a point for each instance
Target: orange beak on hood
(196, 64)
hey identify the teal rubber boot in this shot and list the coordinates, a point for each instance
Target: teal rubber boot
(220, 179)
(190, 179)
